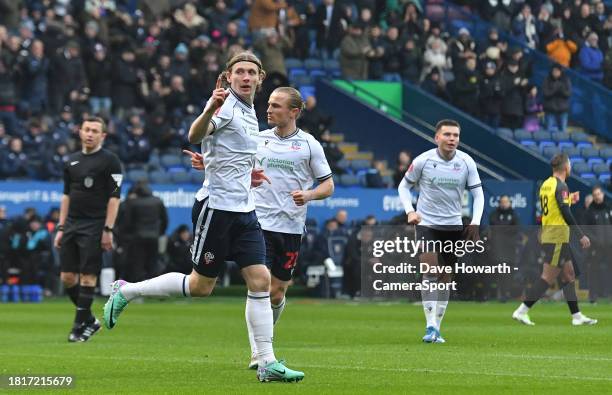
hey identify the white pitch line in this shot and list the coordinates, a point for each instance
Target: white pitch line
(359, 368)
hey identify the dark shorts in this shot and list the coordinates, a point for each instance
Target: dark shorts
(452, 234)
(282, 250)
(224, 235)
(81, 248)
(556, 254)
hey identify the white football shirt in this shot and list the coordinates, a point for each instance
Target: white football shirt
(229, 154)
(292, 163)
(441, 186)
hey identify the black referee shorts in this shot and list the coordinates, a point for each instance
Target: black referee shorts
(81, 248)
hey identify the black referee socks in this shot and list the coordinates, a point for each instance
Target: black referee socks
(83, 312)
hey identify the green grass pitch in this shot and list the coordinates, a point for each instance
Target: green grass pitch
(343, 347)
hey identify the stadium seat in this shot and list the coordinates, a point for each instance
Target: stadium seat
(589, 178)
(577, 159)
(505, 132)
(606, 153)
(388, 181)
(296, 72)
(135, 175)
(317, 74)
(159, 177)
(331, 65)
(344, 164)
(580, 167)
(579, 136)
(522, 134)
(360, 164)
(604, 179)
(589, 152)
(609, 162)
(541, 136)
(293, 63)
(196, 176)
(600, 168)
(186, 161)
(549, 152)
(545, 144)
(306, 91)
(171, 161)
(313, 63)
(180, 177)
(349, 180)
(300, 80)
(594, 161)
(571, 151)
(561, 137)
(563, 144)
(154, 162)
(584, 144)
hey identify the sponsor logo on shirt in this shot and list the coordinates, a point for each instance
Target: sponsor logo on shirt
(445, 182)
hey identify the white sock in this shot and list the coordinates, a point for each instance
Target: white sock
(259, 317)
(277, 310)
(169, 284)
(250, 332)
(443, 297)
(522, 309)
(429, 299)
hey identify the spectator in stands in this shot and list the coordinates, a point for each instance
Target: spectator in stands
(353, 255)
(189, 24)
(582, 20)
(524, 27)
(404, 159)
(35, 70)
(466, 88)
(35, 141)
(332, 152)
(125, 82)
(392, 58)
(272, 50)
(608, 69)
(264, 17)
(435, 57)
(54, 164)
(376, 61)
(67, 75)
(411, 61)
(504, 236)
(591, 58)
(5, 139)
(435, 84)
(99, 72)
(544, 25)
(177, 99)
(37, 263)
(499, 12)
(513, 87)
(556, 90)
(136, 148)
(490, 96)
(312, 119)
(341, 218)
(560, 49)
(461, 49)
(180, 62)
(178, 250)
(8, 93)
(599, 230)
(330, 20)
(15, 164)
(533, 110)
(354, 52)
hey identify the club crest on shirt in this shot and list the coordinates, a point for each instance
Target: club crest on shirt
(88, 182)
(209, 257)
(296, 146)
(457, 166)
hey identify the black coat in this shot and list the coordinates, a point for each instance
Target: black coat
(330, 37)
(466, 91)
(125, 84)
(512, 99)
(490, 95)
(100, 75)
(556, 94)
(144, 217)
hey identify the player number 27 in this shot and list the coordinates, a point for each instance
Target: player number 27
(291, 261)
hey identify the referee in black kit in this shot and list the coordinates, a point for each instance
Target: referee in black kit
(92, 181)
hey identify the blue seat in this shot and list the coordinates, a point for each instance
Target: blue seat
(296, 72)
(306, 91)
(563, 144)
(577, 159)
(313, 63)
(584, 144)
(606, 152)
(293, 63)
(579, 136)
(522, 134)
(545, 144)
(571, 151)
(318, 73)
(171, 161)
(549, 152)
(594, 161)
(349, 180)
(561, 137)
(604, 179)
(196, 176)
(581, 167)
(600, 168)
(505, 132)
(542, 136)
(181, 177)
(159, 177)
(136, 175)
(609, 162)
(331, 64)
(589, 178)
(344, 164)
(300, 80)
(360, 164)
(589, 152)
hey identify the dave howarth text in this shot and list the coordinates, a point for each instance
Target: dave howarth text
(458, 268)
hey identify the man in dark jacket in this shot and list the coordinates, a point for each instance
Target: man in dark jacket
(513, 86)
(35, 72)
(8, 93)
(599, 229)
(557, 90)
(490, 95)
(466, 88)
(330, 19)
(67, 75)
(100, 75)
(144, 219)
(125, 82)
